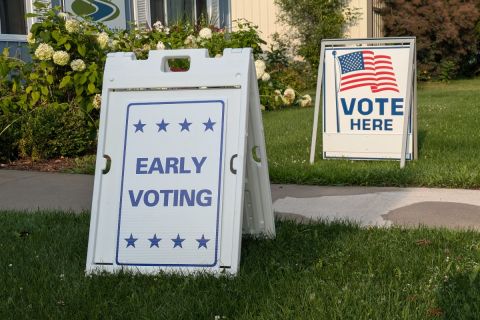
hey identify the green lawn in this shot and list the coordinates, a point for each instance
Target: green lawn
(449, 145)
(317, 271)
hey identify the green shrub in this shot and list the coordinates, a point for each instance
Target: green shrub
(12, 77)
(52, 132)
(314, 20)
(68, 60)
(57, 96)
(58, 81)
(300, 75)
(12, 73)
(283, 75)
(447, 34)
(9, 136)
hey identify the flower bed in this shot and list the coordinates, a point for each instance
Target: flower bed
(69, 56)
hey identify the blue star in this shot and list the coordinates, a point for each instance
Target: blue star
(162, 125)
(185, 125)
(154, 241)
(209, 124)
(131, 241)
(178, 241)
(202, 242)
(139, 126)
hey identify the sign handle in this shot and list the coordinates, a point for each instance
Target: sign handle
(232, 170)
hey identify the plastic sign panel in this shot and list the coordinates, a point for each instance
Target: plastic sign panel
(367, 95)
(182, 181)
(110, 12)
(172, 168)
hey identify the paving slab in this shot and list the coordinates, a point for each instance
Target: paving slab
(369, 206)
(31, 190)
(374, 206)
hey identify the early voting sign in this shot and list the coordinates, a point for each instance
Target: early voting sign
(188, 167)
(367, 90)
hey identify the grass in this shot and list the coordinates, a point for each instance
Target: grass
(83, 165)
(316, 271)
(449, 145)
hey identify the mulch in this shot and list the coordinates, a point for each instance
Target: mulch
(51, 165)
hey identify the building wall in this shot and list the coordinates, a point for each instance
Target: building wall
(17, 49)
(362, 26)
(260, 12)
(377, 20)
(264, 14)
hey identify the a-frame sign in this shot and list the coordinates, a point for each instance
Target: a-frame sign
(187, 164)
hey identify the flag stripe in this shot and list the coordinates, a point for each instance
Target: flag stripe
(382, 61)
(368, 74)
(385, 89)
(383, 67)
(387, 84)
(359, 79)
(386, 78)
(370, 79)
(363, 84)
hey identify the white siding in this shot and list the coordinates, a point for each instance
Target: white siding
(260, 12)
(360, 28)
(377, 20)
(264, 14)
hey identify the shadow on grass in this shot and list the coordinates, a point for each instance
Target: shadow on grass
(459, 297)
(422, 135)
(287, 251)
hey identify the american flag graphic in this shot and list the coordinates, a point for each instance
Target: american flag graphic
(365, 68)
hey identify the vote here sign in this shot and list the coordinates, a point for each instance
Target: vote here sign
(365, 100)
(171, 184)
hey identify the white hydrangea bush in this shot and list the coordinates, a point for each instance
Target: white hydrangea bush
(44, 52)
(78, 65)
(76, 52)
(61, 58)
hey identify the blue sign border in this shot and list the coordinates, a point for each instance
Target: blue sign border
(324, 99)
(219, 185)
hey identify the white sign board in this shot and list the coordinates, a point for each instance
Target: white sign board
(183, 176)
(367, 90)
(110, 12)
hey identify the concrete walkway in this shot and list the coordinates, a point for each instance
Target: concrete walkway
(373, 206)
(452, 208)
(31, 190)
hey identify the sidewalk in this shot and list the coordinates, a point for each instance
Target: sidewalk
(452, 208)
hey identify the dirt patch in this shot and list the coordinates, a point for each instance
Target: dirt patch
(52, 165)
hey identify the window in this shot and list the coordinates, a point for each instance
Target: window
(174, 11)
(12, 17)
(216, 12)
(14, 25)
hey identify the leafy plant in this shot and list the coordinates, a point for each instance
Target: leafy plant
(314, 20)
(448, 40)
(13, 72)
(64, 80)
(56, 131)
(68, 58)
